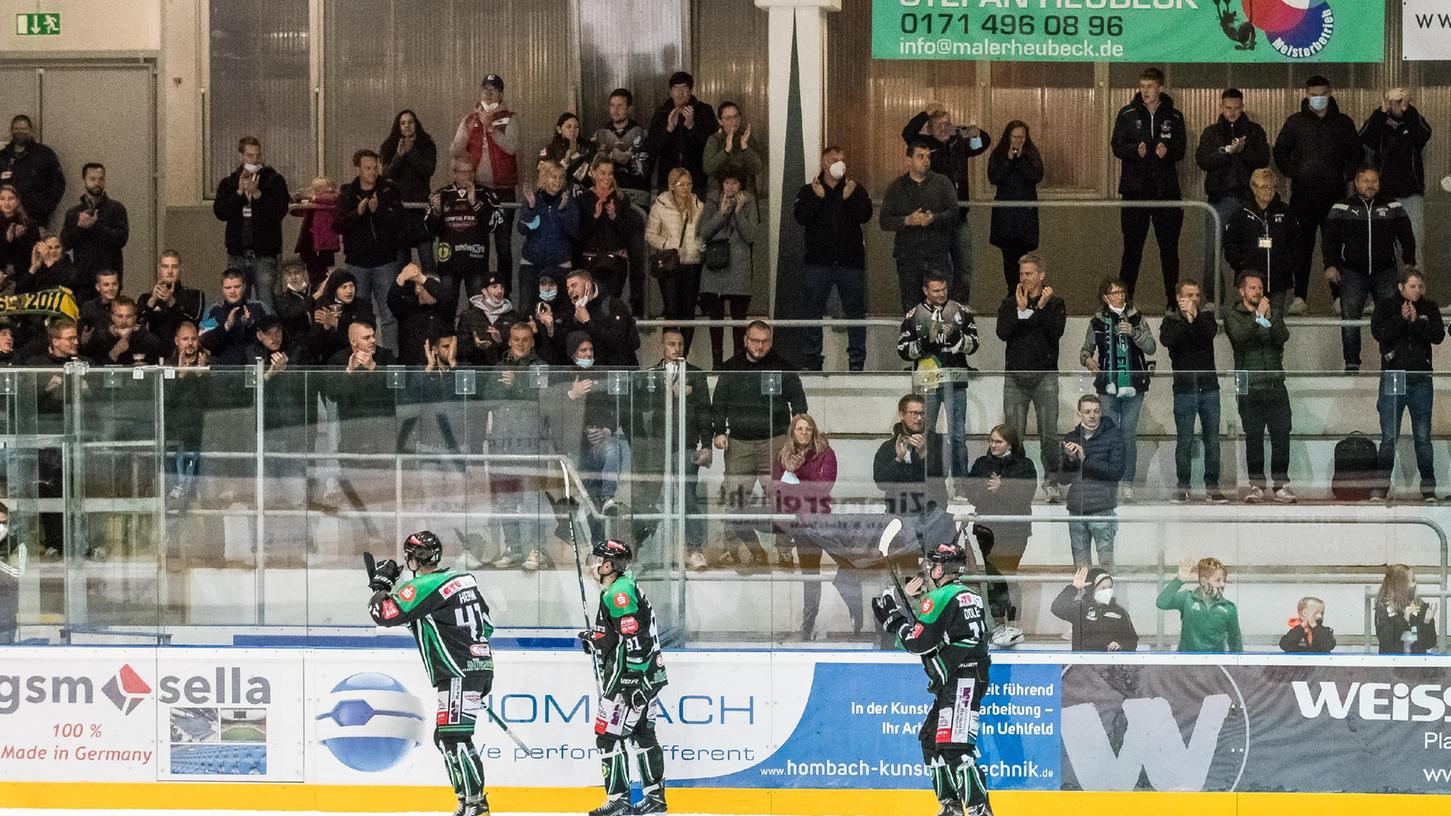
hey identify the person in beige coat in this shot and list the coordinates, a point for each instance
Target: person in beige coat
(673, 225)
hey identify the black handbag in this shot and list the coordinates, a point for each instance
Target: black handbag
(718, 254)
(666, 262)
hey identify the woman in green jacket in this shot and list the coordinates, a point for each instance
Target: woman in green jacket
(1210, 622)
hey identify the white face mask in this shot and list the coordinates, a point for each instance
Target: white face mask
(582, 302)
(1319, 103)
(837, 169)
(493, 302)
(1118, 310)
(252, 168)
(488, 106)
(1103, 596)
(4, 529)
(584, 362)
(547, 295)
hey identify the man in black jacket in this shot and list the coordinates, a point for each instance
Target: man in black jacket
(952, 148)
(936, 338)
(252, 201)
(33, 170)
(370, 221)
(413, 299)
(907, 468)
(1394, 135)
(96, 229)
(1262, 236)
(755, 397)
(678, 132)
(1188, 333)
(228, 327)
(169, 302)
(1406, 327)
(1361, 236)
(833, 208)
(1149, 138)
(605, 318)
(1229, 151)
(1030, 322)
(920, 206)
(1093, 463)
(1317, 149)
(122, 342)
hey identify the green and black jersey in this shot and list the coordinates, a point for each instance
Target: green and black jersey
(449, 620)
(950, 634)
(626, 639)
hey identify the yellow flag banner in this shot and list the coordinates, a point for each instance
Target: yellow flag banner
(57, 301)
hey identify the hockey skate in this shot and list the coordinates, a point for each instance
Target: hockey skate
(479, 807)
(950, 809)
(613, 807)
(650, 803)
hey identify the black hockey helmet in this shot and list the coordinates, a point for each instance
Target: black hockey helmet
(947, 552)
(423, 548)
(612, 549)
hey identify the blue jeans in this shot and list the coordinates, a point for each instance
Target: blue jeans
(260, 272)
(961, 252)
(851, 287)
(1418, 399)
(373, 283)
(1097, 533)
(1124, 411)
(1355, 287)
(953, 396)
(601, 465)
(694, 528)
(1205, 406)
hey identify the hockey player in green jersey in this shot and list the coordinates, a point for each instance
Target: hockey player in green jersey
(450, 622)
(632, 674)
(948, 631)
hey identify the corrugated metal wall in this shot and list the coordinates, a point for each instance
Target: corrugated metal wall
(634, 44)
(730, 57)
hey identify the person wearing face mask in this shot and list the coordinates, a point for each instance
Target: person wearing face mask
(549, 222)
(1001, 483)
(252, 201)
(832, 209)
(33, 170)
(1149, 139)
(1229, 151)
(1116, 350)
(370, 220)
(1258, 333)
(1262, 235)
(484, 326)
(952, 148)
(1405, 623)
(488, 137)
(1015, 168)
(605, 319)
(461, 217)
(1317, 149)
(1308, 632)
(1394, 135)
(1099, 622)
(548, 339)
(1209, 622)
(96, 229)
(1363, 234)
(413, 299)
(612, 236)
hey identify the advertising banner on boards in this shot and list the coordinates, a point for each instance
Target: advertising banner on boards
(1426, 29)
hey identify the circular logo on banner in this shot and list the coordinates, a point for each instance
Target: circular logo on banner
(369, 722)
(1295, 28)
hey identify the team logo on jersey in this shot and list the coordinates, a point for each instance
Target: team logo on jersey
(390, 609)
(926, 605)
(442, 251)
(452, 586)
(916, 631)
(480, 650)
(629, 625)
(622, 599)
(408, 592)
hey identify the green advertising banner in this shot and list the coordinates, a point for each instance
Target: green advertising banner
(1130, 30)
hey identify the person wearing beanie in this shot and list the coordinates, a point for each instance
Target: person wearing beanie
(1100, 623)
(488, 137)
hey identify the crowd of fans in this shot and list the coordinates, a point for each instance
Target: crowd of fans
(381, 258)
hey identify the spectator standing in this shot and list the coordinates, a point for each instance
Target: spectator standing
(170, 302)
(1209, 622)
(1116, 349)
(832, 208)
(611, 236)
(1394, 136)
(936, 338)
(370, 218)
(317, 240)
(33, 170)
(409, 157)
(489, 138)
(1317, 149)
(920, 206)
(1362, 234)
(122, 341)
(18, 237)
(674, 226)
(729, 150)
(1149, 139)
(549, 222)
(515, 427)
(574, 154)
(295, 305)
(483, 327)
(1229, 151)
(1093, 464)
(1262, 236)
(606, 320)
(1405, 623)
(952, 148)
(96, 229)
(186, 407)
(727, 227)
(252, 201)
(1407, 326)
(622, 142)
(413, 299)
(906, 468)
(62, 347)
(755, 397)
(1001, 483)
(1308, 632)
(1099, 623)
(1030, 323)
(1258, 335)
(461, 217)
(227, 328)
(1188, 333)
(1015, 167)
(678, 132)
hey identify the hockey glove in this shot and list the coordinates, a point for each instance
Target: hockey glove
(638, 698)
(886, 607)
(385, 575)
(587, 641)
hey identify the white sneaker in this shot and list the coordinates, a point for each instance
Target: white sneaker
(696, 561)
(1297, 306)
(1126, 494)
(1054, 493)
(1255, 495)
(1006, 637)
(532, 562)
(1284, 495)
(467, 561)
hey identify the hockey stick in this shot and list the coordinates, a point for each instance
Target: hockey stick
(370, 565)
(594, 657)
(884, 545)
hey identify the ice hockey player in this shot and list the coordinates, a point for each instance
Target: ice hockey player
(450, 621)
(631, 675)
(948, 631)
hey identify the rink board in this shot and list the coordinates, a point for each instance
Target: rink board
(743, 732)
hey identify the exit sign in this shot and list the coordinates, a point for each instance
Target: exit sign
(38, 24)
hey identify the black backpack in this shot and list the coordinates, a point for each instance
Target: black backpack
(1357, 469)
